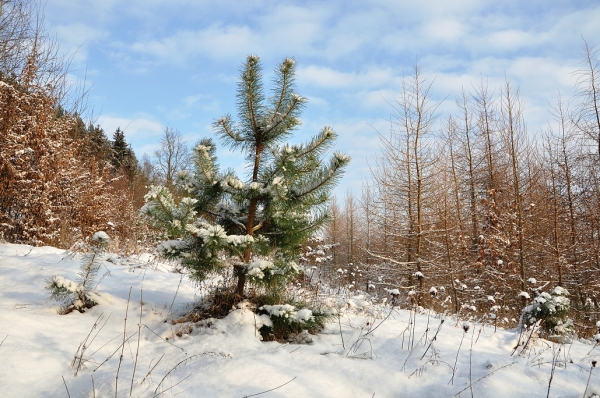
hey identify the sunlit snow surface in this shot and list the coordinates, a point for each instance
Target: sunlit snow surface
(226, 357)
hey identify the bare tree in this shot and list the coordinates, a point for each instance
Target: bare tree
(29, 54)
(587, 117)
(172, 157)
(406, 173)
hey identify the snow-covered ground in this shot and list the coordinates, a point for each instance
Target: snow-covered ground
(372, 357)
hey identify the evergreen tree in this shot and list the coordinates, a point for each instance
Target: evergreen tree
(79, 295)
(257, 225)
(119, 149)
(122, 156)
(98, 144)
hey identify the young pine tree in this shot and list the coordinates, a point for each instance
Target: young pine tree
(255, 225)
(79, 295)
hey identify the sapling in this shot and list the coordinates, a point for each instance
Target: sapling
(79, 295)
(552, 309)
(254, 224)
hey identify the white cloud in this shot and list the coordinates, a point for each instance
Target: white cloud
(445, 29)
(75, 40)
(378, 99)
(142, 131)
(351, 56)
(217, 41)
(326, 77)
(317, 102)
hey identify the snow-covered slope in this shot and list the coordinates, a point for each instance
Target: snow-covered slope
(225, 358)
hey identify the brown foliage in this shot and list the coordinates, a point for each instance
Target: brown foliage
(49, 194)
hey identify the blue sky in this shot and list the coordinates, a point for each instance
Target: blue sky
(156, 63)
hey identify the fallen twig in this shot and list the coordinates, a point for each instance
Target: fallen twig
(114, 352)
(172, 369)
(272, 389)
(150, 371)
(173, 386)
(166, 341)
(481, 378)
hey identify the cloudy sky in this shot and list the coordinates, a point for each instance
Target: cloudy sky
(156, 63)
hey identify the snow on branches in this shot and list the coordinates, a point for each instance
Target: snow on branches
(255, 223)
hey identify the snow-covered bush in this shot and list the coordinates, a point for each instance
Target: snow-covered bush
(287, 321)
(79, 295)
(552, 309)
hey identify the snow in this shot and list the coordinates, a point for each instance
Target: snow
(238, 240)
(256, 268)
(100, 236)
(560, 291)
(65, 283)
(170, 246)
(466, 325)
(288, 311)
(226, 358)
(341, 157)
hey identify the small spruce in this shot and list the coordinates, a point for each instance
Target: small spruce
(552, 309)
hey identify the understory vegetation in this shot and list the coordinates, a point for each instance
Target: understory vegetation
(473, 214)
(468, 214)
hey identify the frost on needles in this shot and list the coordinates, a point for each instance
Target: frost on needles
(79, 295)
(254, 224)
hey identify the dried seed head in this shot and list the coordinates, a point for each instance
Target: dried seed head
(466, 326)
(594, 363)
